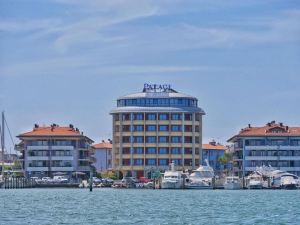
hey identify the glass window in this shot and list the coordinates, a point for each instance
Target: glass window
(150, 139)
(138, 116)
(163, 151)
(175, 150)
(151, 150)
(188, 116)
(126, 162)
(138, 162)
(188, 139)
(151, 116)
(176, 128)
(139, 139)
(188, 151)
(163, 162)
(151, 128)
(163, 128)
(138, 128)
(175, 139)
(177, 161)
(176, 116)
(150, 162)
(138, 150)
(163, 139)
(188, 128)
(163, 116)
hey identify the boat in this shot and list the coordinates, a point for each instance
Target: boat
(232, 183)
(172, 179)
(255, 181)
(201, 178)
(279, 179)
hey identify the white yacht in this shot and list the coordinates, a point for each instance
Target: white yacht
(172, 179)
(201, 178)
(232, 183)
(255, 181)
(284, 180)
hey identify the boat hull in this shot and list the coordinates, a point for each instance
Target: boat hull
(171, 185)
(232, 186)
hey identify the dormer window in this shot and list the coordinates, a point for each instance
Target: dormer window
(277, 130)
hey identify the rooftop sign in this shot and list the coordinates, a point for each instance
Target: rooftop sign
(157, 87)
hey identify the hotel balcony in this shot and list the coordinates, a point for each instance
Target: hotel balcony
(272, 147)
(62, 169)
(47, 147)
(83, 168)
(34, 169)
(261, 157)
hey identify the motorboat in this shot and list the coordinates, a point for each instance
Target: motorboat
(284, 180)
(255, 181)
(232, 183)
(201, 178)
(172, 179)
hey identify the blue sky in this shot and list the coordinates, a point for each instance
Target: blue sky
(67, 61)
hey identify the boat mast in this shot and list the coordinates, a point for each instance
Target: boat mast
(2, 142)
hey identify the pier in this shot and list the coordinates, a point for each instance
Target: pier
(18, 182)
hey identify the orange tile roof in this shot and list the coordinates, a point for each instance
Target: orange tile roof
(103, 145)
(52, 131)
(269, 130)
(213, 147)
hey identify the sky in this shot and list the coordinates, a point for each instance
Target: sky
(67, 61)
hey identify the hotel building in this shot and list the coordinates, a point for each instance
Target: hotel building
(154, 127)
(52, 149)
(102, 155)
(212, 152)
(274, 144)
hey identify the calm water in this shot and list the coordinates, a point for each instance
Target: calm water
(110, 206)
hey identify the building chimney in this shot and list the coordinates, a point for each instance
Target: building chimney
(36, 125)
(71, 126)
(249, 125)
(281, 124)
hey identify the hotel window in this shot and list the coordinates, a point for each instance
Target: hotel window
(163, 127)
(197, 151)
(138, 162)
(40, 143)
(163, 162)
(295, 142)
(188, 151)
(138, 116)
(177, 162)
(151, 162)
(126, 162)
(197, 140)
(188, 128)
(176, 116)
(151, 150)
(197, 128)
(138, 150)
(151, 128)
(163, 151)
(163, 116)
(197, 115)
(188, 139)
(175, 150)
(163, 139)
(138, 128)
(188, 116)
(150, 139)
(138, 139)
(176, 128)
(116, 117)
(125, 150)
(151, 116)
(175, 139)
(188, 162)
(117, 128)
(126, 128)
(126, 139)
(126, 117)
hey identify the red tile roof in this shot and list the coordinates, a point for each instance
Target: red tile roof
(269, 130)
(56, 131)
(213, 147)
(103, 145)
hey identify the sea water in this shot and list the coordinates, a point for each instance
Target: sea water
(137, 206)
